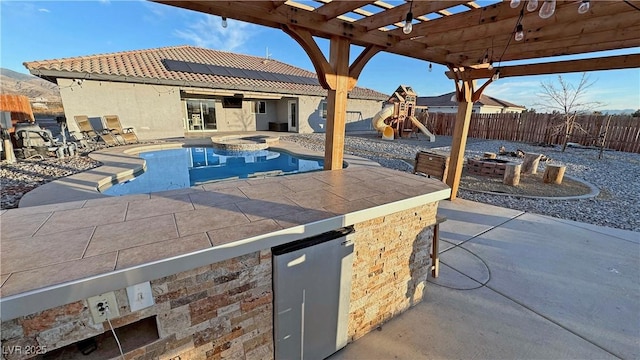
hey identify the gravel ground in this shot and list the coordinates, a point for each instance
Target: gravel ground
(617, 175)
(25, 175)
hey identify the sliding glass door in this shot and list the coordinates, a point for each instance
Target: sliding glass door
(201, 115)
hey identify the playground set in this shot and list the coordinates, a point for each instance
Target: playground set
(397, 117)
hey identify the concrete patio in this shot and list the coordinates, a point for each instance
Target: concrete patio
(517, 285)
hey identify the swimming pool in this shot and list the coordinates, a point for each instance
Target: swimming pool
(186, 167)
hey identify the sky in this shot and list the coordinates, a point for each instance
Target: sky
(42, 30)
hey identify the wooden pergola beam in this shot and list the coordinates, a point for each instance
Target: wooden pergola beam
(356, 67)
(430, 40)
(264, 13)
(399, 13)
(597, 41)
(607, 28)
(309, 45)
(267, 14)
(558, 67)
(504, 22)
(336, 8)
(577, 49)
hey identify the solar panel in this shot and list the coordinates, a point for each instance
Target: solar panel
(197, 68)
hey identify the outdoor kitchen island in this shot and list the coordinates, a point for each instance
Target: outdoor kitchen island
(204, 262)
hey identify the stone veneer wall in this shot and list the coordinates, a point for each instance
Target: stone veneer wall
(225, 310)
(214, 311)
(390, 266)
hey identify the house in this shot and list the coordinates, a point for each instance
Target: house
(446, 103)
(190, 91)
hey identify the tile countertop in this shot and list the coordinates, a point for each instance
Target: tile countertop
(70, 251)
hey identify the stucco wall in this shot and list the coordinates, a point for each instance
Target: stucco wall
(282, 110)
(154, 111)
(309, 115)
(262, 120)
(235, 119)
(358, 117)
(359, 114)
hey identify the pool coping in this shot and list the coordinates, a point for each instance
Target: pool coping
(122, 163)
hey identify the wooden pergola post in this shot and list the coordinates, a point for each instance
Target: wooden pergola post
(338, 78)
(337, 103)
(466, 96)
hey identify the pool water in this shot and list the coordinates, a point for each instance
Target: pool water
(186, 167)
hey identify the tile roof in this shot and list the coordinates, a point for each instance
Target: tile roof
(147, 66)
(445, 100)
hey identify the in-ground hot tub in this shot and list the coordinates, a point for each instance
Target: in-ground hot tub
(244, 142)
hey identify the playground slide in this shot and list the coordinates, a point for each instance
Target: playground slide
(422, 128)
(378, 122)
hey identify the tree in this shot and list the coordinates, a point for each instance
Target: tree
(567, 101)
(636, 113)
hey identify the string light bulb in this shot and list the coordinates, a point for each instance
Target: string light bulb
(496, 75)
(547, 9)
(514, 4)
(430, 67)
(519, 33)
(224, 22)
(532, 5)
(490, 67)
(408, 25)
(584, 7)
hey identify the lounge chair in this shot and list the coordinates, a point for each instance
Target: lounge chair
(90, 135)
(113, 124)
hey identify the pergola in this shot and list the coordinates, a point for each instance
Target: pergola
(469, 39)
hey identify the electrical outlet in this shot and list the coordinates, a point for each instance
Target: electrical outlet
(98, 305)
(140, 296)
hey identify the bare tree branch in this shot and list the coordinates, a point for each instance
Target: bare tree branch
(567, 100)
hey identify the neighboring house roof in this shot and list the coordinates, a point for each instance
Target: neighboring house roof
(196, 67)
(445, 100)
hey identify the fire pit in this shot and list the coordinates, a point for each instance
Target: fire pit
(487, 167)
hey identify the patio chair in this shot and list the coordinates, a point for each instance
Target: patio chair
(33, 140)
(112, 123)
(90, 135)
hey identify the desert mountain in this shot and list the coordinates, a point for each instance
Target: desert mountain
(33, 87)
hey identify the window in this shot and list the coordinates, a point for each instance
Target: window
(259, 107)
(323, 109)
